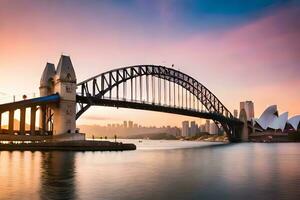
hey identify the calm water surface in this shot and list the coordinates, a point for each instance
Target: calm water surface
(157, 170)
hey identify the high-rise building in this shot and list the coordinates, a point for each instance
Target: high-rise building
(185, 129)
(235, 113)
(207, 125)
(202, 128)
(130, 124)
(125, 124)
(194, 128)
(249, 108)
(213, 128)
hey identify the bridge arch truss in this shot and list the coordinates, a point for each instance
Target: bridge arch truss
(158, 88)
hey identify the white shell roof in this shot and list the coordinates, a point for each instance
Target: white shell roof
(294, 121)
(279, 122)
(267, 117)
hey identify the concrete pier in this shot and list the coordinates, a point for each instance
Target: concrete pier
(32, 120)
(22, 121)
(11, 122)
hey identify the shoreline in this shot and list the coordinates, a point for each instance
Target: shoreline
(85, 145)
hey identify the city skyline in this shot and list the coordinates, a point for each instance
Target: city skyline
(262, 36)
(131, 128)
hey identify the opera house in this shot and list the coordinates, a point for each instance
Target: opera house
(270, 120)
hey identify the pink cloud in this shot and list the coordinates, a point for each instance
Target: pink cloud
(258, 47)
(257, 61)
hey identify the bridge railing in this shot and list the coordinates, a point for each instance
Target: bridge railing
(9, 98)
(153, 103)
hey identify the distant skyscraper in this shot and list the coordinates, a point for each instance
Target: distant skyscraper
(130, 124)
(249, 108)
(235, 113)
(213, 128)
(185, 128)
(207, 126)
(125, 124)
(202, 128)
(194, 128)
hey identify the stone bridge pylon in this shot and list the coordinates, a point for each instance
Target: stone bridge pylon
(59, 118)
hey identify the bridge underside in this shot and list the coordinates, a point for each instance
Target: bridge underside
(94, 101)
(155, 88)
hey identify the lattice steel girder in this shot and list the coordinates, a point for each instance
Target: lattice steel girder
(114, 78)
(162, 72)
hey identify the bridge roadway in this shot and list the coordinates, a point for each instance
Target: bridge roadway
(109, 102)
(143, 105)
(39, 101)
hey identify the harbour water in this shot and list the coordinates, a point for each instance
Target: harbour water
(156, 170)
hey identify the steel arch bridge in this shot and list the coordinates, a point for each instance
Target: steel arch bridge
(156, 88)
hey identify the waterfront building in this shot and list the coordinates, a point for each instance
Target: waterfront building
(279, 122)
(271, 120)
(194, 129)
(267, 117)
(185, 129)
(130, 124)
(207, 125)
(202, 128)
(213, 128)
(125, 124)
(248, 106)
(294, 122)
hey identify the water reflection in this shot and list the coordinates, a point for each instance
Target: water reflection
(58, 175)
(206, 171)
(19, 175)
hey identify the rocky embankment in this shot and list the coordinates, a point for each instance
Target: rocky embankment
(212, 138)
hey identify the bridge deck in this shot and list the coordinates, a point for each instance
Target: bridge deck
(156, 107)
(29, 102)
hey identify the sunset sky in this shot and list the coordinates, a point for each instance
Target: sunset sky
(240, 50)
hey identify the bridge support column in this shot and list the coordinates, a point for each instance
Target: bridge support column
(43, 120)
(64, 118)
(32, 120)
(11, 122)
(22, 120)
(245, 132)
